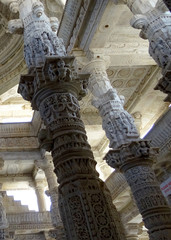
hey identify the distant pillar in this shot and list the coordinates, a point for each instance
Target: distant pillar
(155, 26)
(46, 164)
(131, 155)
(40, 195)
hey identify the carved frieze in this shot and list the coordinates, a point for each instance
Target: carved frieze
(39, 236)
(20, 142)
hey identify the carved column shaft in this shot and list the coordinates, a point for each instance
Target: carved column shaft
(155, 26)
(130, 154)
(40, 196)
(117, 123)
(53, 88)
(135, 160)
(84, 201)
(48, 167)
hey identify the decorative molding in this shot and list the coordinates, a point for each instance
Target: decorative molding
(20, 142)
(38, 236)
(68, 20)
(75, 17)
(30, 220)
(93, 22)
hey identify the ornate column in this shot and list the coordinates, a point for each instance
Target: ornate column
(54, 88)
(135, 160)
(47, 165)
(155, 26)
(131, 155)
(39, 187)
(116, 122)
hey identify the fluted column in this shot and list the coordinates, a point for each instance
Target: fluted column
(54, 88)
(39, 187)
(131, 155)
(155, 26)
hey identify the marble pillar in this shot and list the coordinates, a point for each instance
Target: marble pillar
(135, 161)
(39, 188)
(131, 155)
(54, 88)
(117, 123)
(155, 26)
(46, 164)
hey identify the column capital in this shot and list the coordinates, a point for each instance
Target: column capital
(40, 184)
(55, 76)
(40, 32)
(130, 155)
(43, 163)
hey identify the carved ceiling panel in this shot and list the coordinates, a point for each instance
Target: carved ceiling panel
(116, 38)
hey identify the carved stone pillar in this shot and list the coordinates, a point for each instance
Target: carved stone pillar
(84, 201)
(40, 195)
(135, 160)
(53, 87)
(131, 155)
(155, 26)
(117, 123)
(47, 165)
